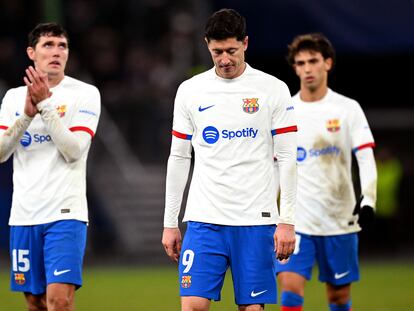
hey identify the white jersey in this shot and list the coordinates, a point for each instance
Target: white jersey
(46, 187)
(230, 123)
(329, 131)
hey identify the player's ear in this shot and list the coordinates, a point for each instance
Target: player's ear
(30, 52)
(328, 64)
(246, 42)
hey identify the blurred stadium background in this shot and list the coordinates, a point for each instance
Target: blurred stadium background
(138, 51)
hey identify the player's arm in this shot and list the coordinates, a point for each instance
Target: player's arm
(285, 146)
(368, 180)
(71, 145)
(10, 136)
(178, 169)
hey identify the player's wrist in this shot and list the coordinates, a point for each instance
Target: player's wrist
(43, 104)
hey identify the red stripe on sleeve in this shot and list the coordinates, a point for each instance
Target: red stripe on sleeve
(82, 128)
(288, 129)
(3, 127)
(181, 135)
(369, 145)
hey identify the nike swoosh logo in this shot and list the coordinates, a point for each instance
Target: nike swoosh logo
(341, 275)
(253, 294)
(57, 273)
(201, 109)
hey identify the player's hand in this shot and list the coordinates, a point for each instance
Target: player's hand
(37, 84)
(284, 241)
(29, 109)
(171, 240)
(365, 214)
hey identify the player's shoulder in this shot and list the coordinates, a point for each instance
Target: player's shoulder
(78, 85)
(15, 91)
(198, 81)
(264, 78)
(342, 100)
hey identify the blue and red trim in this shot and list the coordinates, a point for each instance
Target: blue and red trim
(368, 145)
(282, 130)
(181, 135)
(83, 129)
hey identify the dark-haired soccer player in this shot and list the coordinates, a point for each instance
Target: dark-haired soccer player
(236, 118)
(48, 126)
(331, 128)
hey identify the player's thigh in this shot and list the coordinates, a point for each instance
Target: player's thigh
(64, 250)
(26, 254)
(252, 264)
(203, 261)
(338, 259)
(303, 258)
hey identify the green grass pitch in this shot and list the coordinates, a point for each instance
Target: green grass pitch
(383, 287)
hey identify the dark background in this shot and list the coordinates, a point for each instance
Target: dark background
(137, 53)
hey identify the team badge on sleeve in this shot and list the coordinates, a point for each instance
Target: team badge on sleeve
(333, 125)
(186, 281)
(250, 105)
(61, 110)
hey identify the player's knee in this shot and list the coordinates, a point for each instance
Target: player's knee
(36, 303)
(58, 302)
(251, 307)
(339, 295)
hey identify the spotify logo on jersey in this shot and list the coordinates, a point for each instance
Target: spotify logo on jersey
(26, 139)
(301, 154)
(211, 135)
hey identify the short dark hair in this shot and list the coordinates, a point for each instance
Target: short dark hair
(46, 29)
(224, 24)
(314, 42)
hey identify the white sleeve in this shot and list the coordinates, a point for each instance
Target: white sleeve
(367, 176)
(71, 145)
(178, 169)
(285, 148)
(9, 138)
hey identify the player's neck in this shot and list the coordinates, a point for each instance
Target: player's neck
(54, 80)
(313, 95)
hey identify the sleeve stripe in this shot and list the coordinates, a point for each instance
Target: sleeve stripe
(368, 145)
(282, 130)
(181, 135)
(82, 128)
(3, 127)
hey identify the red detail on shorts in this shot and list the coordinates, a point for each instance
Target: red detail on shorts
(3, 127)
(82, 128)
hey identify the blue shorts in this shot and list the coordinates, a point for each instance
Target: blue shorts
(337, 258)
(45, 254)
(208, 250)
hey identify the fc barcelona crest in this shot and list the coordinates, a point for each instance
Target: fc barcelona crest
(333, 125)
(250, 105)
(61, 110)
(19, 278)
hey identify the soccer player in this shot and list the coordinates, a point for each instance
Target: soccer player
(48, 126)
(331, 127)
(236, 118)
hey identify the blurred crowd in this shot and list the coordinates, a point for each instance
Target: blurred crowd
(135, 52)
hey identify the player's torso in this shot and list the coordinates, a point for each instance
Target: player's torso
(233, 148)
(325, 192)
